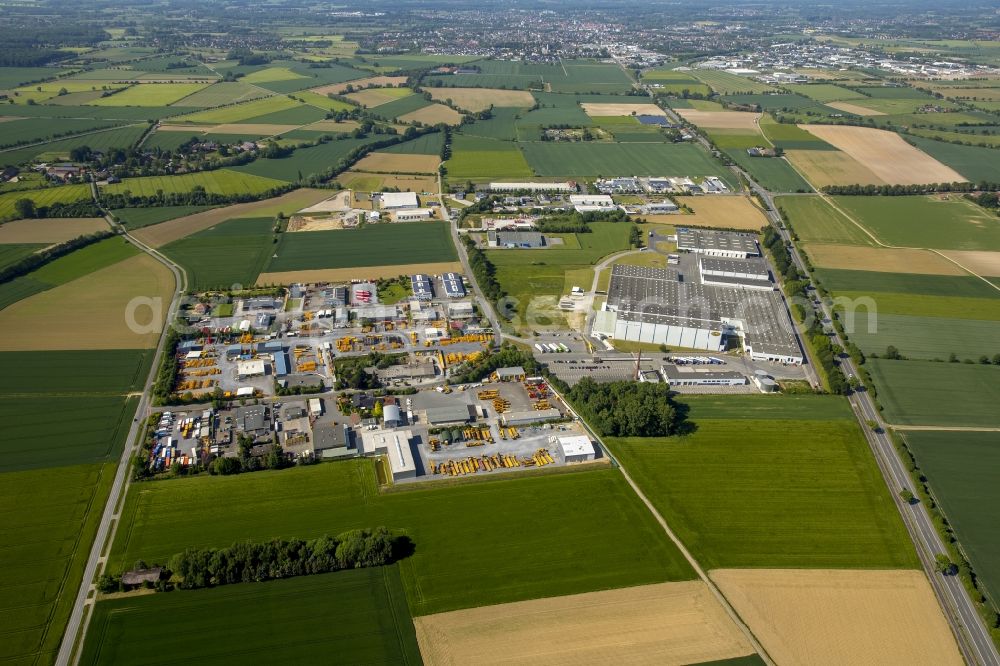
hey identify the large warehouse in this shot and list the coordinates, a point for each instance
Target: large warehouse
(717, 243)
(661, 306)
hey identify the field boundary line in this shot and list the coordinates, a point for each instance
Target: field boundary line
(71, 136)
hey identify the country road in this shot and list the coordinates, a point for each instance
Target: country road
(79, 618)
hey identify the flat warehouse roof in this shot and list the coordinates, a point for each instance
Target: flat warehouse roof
(750, 265)
(703, 239)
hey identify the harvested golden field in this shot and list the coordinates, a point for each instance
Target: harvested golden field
(167, 232)
(371, 182)
(880, 259)
(366, 272)
(50, 230)
(725, 211)
(742, 120)
(978, 261)
(480, 99)
(333, 126)
(668, 623)
(90, 312)
(398, 163)
(432, 115)
(267, 129)
(854, 108)
(607, 109)
(817, 617)
(886, 154)
(831, 167)
(357, 84)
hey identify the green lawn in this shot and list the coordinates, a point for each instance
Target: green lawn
(961, 468)
(924, 221)
(233, 252)
(477, 543)
(370, 245)
(222, 181)
(814, 220)
(772, 493)
(593, 159)
(358, 615)
(945, 394)
(49, 519)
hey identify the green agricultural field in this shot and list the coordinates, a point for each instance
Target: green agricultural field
(473, 157)
(588, 514)
(504, 125)
(127, 113)
(400, 107)
(114, 372)
(64, 194)
(233, 252)
(47, 537)
(311, 77)
(791, 137)
(752, 407)
(360, 615)
(536, 278)
(775, 174)
(926, 221)
(224, 92)
(840, 280)
(787, 103)
(991, 140)
(151, 94)
(961, 469)
(940, 394)
(428, 144)
(369, 245)
(920, 337)
(725, 83)
(772, 493)
(12, 77)
(303, 114)
(593, 159)
(32, 130)
(670, 88)
(137, 218)
(975, 163)
(921, 305)
(11, 253)
(667, 74)
(59, 150)
(815, 221)
(304, 162)
(221, 181)
(826, 92)
(239, 112)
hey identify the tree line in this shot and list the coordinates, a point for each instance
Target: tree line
(907, 190)
(484, 271)
(35, 261)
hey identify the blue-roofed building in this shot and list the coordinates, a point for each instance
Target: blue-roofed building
(421, 286)
(454, 287)
(189, 345)
(281, 365)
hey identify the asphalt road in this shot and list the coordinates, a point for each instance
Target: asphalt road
(95, 562)
(972, 634)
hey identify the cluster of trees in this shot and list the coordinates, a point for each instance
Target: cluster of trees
(246, 57)
(26, 209)
(628, 409)
(988, 200)
(246, 461)
(906, 190)
(795, 281)
(246, 562)
(505, 357)
(38, 259)
(166, 375)
(299, 390)
(826, 354)
(352, 374)
(484, 271)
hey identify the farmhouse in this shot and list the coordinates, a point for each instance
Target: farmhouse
(394, 445)
(413, 214)
(717, 243)
(532, 187)
(398, 200)
(660, 306)
(577, 448)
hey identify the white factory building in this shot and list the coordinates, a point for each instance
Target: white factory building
(584, 203)
(532, 187)
(717, 243)
(395, 446)
(413, 214)
(398, 200)
(577, 448)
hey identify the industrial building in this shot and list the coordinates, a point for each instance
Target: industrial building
(461, 310)
(253, 367)
(414, 214)
(421, 287)
(717, 243)
(512, 374)
(515, 239)
(661, 208)
(394, 445)
(585, 203)
(688, 376)
(750, 273)
(391, 416)
(419, 370)
(577, 448)
(531, 416)
(398, 200)
(454, 286)
(450, 414)
(532, 187)
(661, 306)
